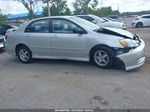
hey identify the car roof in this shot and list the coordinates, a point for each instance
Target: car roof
(84, 15)
(50, 17)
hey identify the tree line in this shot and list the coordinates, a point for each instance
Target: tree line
(60, 7)
(2, 17)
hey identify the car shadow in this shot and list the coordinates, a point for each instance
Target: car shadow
(2, 51)
(117, 66)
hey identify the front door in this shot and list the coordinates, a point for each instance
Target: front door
(64, 41)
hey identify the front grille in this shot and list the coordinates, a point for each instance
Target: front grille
(2, 40)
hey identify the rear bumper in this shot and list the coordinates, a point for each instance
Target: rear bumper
(134, 58)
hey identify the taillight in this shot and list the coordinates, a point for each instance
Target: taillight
(6, 37)
(136, 18)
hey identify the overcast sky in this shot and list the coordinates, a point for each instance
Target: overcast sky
(13, 7)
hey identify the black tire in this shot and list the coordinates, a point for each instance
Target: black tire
(139, 25)
(18, 52)
(110, 52)
(2, 50)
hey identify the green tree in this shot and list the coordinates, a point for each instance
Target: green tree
(94, 3)
(135, 13)
(3, 18)
(58, 7)
(105, 11)
(30, 5)
(84, 6)
(115, 12)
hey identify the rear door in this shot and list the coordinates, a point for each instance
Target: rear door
(38, 37)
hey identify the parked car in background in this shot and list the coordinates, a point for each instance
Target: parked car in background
(110, 20)
(2, 42)
(5, 27)
(102, 22)
(73, 38)
(114, 18)
(141, 21)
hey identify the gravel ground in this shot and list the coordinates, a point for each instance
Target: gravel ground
(73, 85)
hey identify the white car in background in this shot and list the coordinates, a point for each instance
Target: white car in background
(103, 22)
(141, 21)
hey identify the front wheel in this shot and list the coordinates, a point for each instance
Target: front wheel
(24, 54)
(103, 57)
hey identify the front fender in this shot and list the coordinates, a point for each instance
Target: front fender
(103, 39)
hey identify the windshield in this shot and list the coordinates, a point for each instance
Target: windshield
(98, 18)
(85, 23)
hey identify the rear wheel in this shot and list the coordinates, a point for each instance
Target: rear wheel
(24, 54)
(139, 25)
(103, 57)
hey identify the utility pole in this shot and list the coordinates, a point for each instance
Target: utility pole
(118, 7)
(48, 6)
(101, 3)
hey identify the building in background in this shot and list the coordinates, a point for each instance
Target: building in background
(22, 17)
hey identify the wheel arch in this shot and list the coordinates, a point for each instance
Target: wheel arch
(20, 45)
(140, 22)
(99, 45)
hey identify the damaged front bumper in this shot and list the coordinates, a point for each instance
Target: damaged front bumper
(134, 58)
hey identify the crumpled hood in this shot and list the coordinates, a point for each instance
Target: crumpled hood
(115, 31)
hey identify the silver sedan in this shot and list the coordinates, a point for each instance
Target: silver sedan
(72, 38)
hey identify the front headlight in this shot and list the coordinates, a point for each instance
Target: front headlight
(129, 43)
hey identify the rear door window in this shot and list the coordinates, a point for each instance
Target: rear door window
(40, 26)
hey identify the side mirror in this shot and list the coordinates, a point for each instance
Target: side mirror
(79, 31)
